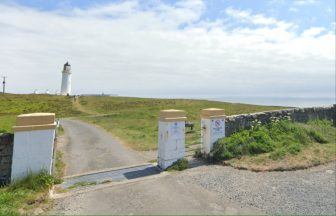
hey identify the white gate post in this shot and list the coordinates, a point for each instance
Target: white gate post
(171, 137)
(212, 127)
(34, 136)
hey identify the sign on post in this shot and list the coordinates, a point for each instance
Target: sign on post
(212, 127)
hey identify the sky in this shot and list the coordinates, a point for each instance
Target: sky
(171, 48)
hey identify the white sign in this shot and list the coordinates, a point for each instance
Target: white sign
(217, 129)
(177, 130)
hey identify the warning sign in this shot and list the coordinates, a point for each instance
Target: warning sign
(176, 130)
(217, 129)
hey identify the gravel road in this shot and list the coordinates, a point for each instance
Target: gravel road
(163, 195)
(90, 148)
(310, 191)
(213, 190)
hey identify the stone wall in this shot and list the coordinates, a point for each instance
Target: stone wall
(236, 123)
(6, 154)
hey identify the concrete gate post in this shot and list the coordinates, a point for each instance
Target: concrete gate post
(171, 137)
(212, 127)
(34, 136)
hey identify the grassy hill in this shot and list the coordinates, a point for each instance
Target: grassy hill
(12, 105)
(133, 120)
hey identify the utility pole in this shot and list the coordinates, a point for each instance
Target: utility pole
(3, 85)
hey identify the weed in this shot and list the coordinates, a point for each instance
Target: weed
(59, 167)
(198, 153)
(317, 137)
(35, 182)
(24, 193)
(82, 184)
(179, 165)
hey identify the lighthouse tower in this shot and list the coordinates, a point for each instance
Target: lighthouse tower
(66, 79)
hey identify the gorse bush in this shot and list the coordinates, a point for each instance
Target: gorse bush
(278, 138)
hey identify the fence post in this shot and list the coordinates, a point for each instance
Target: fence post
(171, 137)
(34, 136)
(212, 127)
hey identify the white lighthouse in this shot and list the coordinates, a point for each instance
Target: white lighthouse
(66, 79)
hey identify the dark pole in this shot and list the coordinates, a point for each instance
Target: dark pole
(4, 85)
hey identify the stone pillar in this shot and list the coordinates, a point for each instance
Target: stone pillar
(171, 137)
(212, 127)
(34, 136)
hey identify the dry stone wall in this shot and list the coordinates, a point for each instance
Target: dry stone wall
(237, 123)
(6, 154)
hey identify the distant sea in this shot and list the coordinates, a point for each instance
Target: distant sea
(290, 102)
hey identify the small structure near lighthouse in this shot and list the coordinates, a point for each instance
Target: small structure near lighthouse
(66, 79)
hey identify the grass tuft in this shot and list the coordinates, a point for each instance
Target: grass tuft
(23, 194)
(179, 165)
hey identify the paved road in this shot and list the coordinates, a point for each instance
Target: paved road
(90, 148)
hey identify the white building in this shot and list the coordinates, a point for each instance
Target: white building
(66, 80)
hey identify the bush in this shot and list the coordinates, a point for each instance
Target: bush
(276, 138)
(179, 165)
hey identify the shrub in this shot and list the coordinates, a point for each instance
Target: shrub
(277, 138)
(179, 165)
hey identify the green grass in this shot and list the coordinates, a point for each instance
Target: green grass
(279, 141)
(12, 105)
(59, 167)
(82, 184)
(134, 120)
(6, 123)
(22, 196)
(179, 165)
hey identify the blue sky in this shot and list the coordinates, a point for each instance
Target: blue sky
(303, 12)
(158, 48)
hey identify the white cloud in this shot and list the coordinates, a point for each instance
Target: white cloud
(305, 2)
(256, 19)
(313, 32)
(127, 48)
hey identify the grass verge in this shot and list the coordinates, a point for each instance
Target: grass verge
(280, 145)
(59, 167)
(24, 196)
